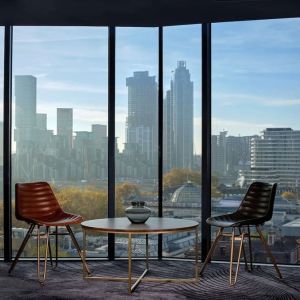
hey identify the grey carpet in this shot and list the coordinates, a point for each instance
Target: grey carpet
(66, 282)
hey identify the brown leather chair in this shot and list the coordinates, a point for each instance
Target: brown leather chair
(37, 205)
(255, 209)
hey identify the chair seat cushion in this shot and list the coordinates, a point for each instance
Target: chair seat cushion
(232, 220)
(58, 219)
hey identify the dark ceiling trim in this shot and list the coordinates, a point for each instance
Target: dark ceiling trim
(140, 12)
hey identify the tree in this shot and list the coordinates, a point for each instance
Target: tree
(178, 177)
(289, 196)
(125, 192)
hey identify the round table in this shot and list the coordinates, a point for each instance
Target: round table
(152, 226)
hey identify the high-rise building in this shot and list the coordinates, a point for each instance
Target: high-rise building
(65, 127)
(275, 158)
(25, 122)
(141, 131)
(25, 101)
(41, 121)
(183, 110)
(168, 136)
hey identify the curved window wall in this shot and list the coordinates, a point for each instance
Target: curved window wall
(255, 125)
(60, 120)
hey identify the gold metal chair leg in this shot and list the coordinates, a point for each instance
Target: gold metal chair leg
(42, 276)
(233, 282)
(56, 246)
(244, 252)
(27, 237)
(50, 253)
(211, 251)
(250, 248)
(268, 250)
(77, 248)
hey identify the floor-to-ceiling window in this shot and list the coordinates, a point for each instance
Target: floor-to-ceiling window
(60, 122)
(181, 133)
(255, 125)
(1, 139)
(136, 126)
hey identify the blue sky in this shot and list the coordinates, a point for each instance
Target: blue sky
(256, 71)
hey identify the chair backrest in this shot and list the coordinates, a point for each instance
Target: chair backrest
(258, 202)
(35, 200)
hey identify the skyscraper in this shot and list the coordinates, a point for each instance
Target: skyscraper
(25, 122)
(168, 137)
(65, 127)
(141, 134)
(25, 99)
(183, 110)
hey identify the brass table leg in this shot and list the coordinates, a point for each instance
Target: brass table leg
(84, 269)
(147, 252)
(211, 251)
(196, 253)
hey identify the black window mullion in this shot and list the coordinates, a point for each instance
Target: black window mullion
(111, 134)
(206, 139)
(160, 133)
(7, 111)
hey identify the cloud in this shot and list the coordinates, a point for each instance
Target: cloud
(228, 99)
(238, 127)
(70, 87)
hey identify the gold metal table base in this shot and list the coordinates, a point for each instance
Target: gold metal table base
(132, 286)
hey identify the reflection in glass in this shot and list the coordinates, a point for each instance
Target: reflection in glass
(60, 123)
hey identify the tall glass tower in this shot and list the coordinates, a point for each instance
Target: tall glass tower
(183, 110)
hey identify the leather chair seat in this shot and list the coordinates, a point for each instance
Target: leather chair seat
(232, 220)
(57, 219)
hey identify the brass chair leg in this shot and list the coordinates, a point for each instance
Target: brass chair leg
(268, 250)
(78, 248)
(233, 282)
(211, 251)
(56, 246)
(250, 248)
(244, 253)
(28, 234)
(50, 253)
(42, 276)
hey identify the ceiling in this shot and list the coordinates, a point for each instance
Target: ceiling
(141, 12)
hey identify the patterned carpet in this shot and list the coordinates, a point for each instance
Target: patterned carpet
(66, 282)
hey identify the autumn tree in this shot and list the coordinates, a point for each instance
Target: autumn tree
(125, 192)
(177, 177)
(289, 196)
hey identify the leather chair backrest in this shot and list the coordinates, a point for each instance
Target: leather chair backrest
(258, 202)
(35, 200)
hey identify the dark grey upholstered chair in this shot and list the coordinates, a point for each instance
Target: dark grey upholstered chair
(255, 209)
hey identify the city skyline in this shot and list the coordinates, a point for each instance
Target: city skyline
(242, 87)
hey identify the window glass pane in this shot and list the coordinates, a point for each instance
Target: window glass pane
(255, 126)
(60, 123)
(182, 134)
(136, 126)
(1, 139)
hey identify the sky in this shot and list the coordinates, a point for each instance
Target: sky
(255, 71)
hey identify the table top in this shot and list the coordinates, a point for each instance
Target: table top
(152, 225)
